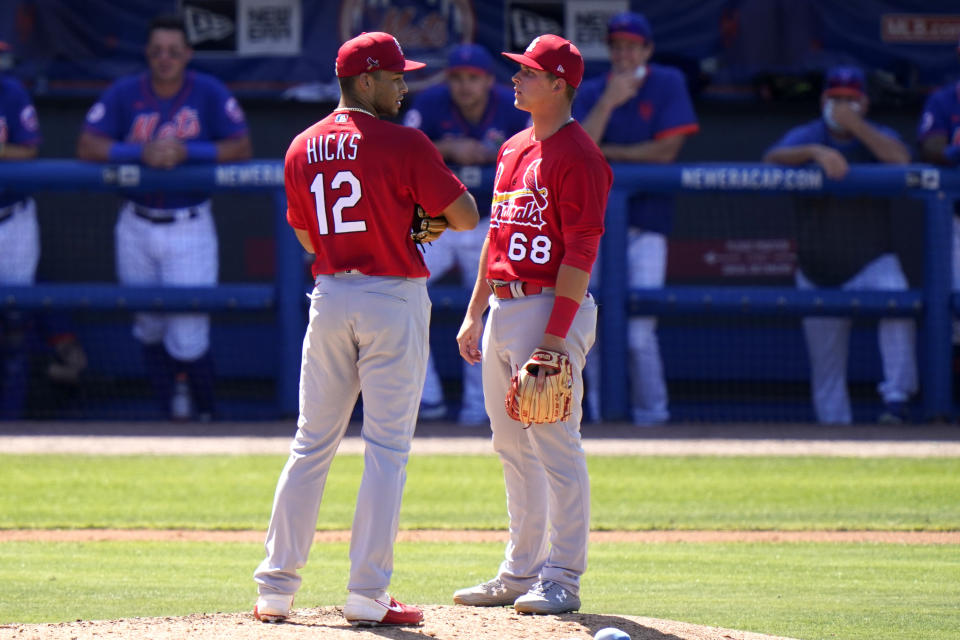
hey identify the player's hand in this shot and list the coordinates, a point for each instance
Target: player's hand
(846, 114)
(832, 162)
(467, 151)
(164, 154)
(620, 87)
(468, 339)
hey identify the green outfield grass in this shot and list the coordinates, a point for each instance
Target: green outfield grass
(806, 591)
(803, 590)
(457, 492)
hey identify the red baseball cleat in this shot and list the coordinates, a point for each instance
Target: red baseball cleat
(361, 611)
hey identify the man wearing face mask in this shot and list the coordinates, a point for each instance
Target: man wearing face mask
(639, 112)
(846, 243)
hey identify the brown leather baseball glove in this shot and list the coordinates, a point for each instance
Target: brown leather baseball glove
(542, 389)
(423, 228)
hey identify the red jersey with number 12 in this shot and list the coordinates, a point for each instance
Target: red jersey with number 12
(353, 181)
(549, 198)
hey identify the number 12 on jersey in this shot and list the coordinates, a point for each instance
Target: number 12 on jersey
(343, 202)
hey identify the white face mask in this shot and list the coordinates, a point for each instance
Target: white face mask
(827, 112)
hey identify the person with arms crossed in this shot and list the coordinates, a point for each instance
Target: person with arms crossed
(19, 233)
(353, 182)
(549, 197)
(939, 137)
(846, 243)
(164, 118)
(639, 112)
(468, 117)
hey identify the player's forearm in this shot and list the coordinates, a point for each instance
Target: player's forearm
(304, 237)
(462, 213)
(465, 151)
(800, 154)
(595, 124)
(480, 296)
(662, 151)
(234, 149)
(94, 148)
(570, 290)
(886, 149)
(572, 283)
(18, 152)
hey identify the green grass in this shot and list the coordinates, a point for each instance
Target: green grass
(236, 492)
(807, 591)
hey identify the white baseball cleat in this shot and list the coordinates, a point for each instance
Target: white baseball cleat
(547, 597)
(492, 593)
(272, 607)
(361, 611)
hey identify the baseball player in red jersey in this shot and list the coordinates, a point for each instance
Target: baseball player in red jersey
(352, 183)
(549, 196)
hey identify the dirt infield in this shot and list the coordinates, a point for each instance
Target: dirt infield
(440, 622)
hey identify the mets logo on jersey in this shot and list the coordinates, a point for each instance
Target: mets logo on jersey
(524, 206)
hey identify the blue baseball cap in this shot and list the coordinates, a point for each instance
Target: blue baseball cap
(629, 25)
(470, 56)
(845, 81)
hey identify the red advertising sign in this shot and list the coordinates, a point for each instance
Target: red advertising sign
(919, 28)
(719, 259)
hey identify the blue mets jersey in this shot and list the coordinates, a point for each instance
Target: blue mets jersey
(816, 132)
(434, 113)
(18, 124)
(661, 108)
(941, 114)
(203, 111)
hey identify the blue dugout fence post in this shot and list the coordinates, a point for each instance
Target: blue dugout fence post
(614, 396)
(936, 373)
(290, 317)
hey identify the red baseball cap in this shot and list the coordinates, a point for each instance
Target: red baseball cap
(555, 55)
(373, 51)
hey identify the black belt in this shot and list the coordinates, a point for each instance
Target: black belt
(148, 214)
(7, 212)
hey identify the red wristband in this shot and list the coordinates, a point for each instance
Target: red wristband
(561, 318)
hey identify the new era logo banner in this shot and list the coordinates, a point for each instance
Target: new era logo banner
(244, 27)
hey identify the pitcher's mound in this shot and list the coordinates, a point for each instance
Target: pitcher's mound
(440, 622)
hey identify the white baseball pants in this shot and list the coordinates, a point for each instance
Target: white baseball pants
(828, 342)
(20, 244)
(544, 466)
(365, 334)
(182, 253)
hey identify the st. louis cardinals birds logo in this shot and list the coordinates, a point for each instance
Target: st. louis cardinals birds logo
(523, 207)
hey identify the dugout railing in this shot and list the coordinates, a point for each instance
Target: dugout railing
(932, 305)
